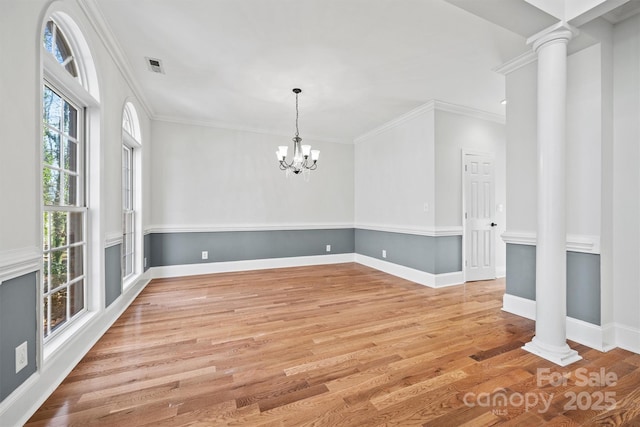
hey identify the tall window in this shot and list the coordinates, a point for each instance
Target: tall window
(63, 195)
(128, 220)
(130, 145)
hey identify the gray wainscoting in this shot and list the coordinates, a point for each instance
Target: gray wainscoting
(521, 271)
(112, 273)
(18, 323)
(583, 280)
(435, 255)
(186, 248)
(583, 287)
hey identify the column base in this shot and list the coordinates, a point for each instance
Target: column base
(562, 355)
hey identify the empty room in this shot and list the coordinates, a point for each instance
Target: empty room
(320, 212)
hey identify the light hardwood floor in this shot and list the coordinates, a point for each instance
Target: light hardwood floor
(336, 345)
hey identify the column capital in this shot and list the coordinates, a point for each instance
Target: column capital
(561, 32)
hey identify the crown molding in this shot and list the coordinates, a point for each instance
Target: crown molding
(470, 112)
(241, 128)
(433, 105)
(516, 63)
(416, 112)
(96, 18)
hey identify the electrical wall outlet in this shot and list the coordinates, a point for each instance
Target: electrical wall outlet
(384, 253)
(328, 248)
(145, 262)
(205, 254)
(21, 356)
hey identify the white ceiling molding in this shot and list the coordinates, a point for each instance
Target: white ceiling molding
(96, 18)
(428, 107)
(416, 112)
(516, 63)
(470, 112)
(234, 127)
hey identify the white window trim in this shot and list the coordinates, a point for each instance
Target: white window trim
(135, 145)
(64, 82)
(82, 174)
(69, 87)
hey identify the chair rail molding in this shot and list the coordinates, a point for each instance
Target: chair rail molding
(213, 228)
(18, 262)
(587, 244)
(439, 231)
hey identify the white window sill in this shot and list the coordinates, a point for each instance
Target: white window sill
(53, 346)
(129, 281)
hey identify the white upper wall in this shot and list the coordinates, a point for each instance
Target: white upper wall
(584, 135)
(394, 174)
(626, 195)
(584, 140)
(19, 125)
(208, 178)
(522, 143)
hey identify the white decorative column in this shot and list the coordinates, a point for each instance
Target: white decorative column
(550, 341)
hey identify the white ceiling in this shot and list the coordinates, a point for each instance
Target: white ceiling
(360, 63)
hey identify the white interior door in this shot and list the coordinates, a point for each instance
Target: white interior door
(479, 230)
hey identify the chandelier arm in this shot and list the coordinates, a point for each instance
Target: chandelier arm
(284, 165)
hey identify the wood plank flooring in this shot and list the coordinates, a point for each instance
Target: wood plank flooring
(337, 345)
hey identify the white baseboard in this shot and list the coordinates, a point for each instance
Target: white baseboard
(594, 336)
(501, 271)
(627, 337)
(448, 279)
(421, 277)
(20, 405)
(591, 335)
(427, 279)
(520, 306)
(257, 264)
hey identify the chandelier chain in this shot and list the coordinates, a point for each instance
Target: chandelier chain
(297, 132)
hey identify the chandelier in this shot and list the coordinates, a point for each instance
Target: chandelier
(300, 162)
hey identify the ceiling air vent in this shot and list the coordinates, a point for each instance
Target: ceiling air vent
(155, 65)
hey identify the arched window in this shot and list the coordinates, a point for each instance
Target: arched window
(56, 44)
(131, 235)
(65, 98)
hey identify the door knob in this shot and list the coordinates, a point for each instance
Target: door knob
(493, 224)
